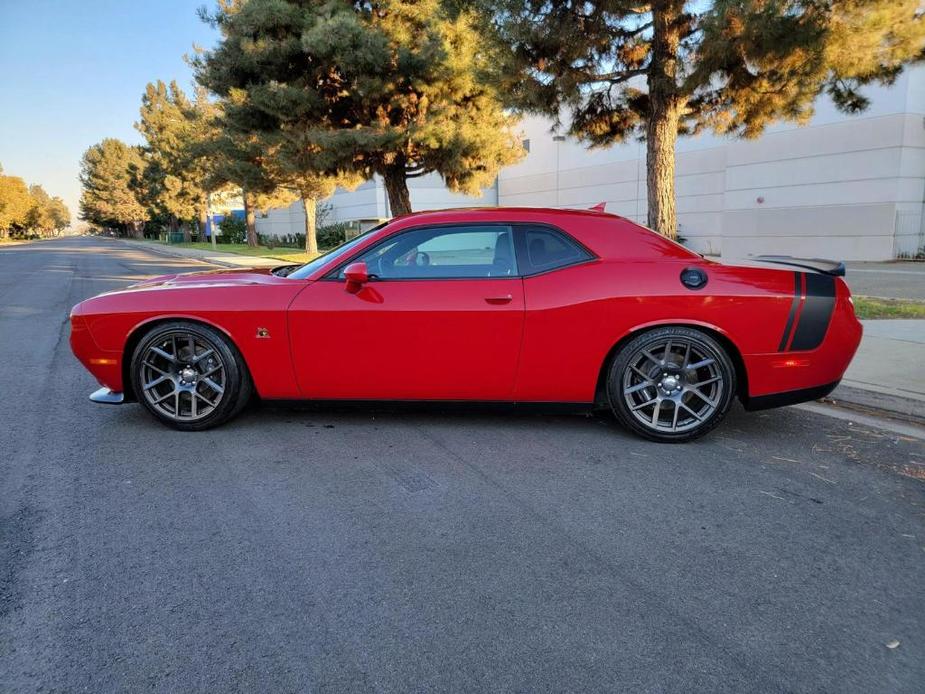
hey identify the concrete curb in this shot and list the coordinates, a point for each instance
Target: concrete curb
(875, 402)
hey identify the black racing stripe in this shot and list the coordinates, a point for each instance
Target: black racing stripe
(793, 312)
(817, 312)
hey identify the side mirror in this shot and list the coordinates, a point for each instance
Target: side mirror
(356, 275)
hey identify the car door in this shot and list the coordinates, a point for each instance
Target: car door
(440, 319)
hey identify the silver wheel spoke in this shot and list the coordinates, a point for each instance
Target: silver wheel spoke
(155, 382)
(651, 358)
(696, 416)
(707, 382)
(206, 400)
(638, 387)
(655, 412)
(701, 364)
(213, 385)
(161, 353)
(674, 417)
(164, 397)
(156, 368)
(645, 404)
(202, 356)
(700, 395)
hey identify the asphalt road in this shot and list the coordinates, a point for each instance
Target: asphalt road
(422, 551)
(903, 280)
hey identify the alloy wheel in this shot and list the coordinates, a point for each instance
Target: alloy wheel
(183, 376)
(673, 385)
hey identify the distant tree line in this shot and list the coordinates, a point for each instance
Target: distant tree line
(302, 96)
(28, 211)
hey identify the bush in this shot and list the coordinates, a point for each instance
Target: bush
(332, 235)
(287, 241)
(328, 237)
(234, 230)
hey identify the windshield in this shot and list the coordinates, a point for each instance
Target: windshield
(339, 252)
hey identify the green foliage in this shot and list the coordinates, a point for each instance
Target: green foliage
(48, 214)
(332, 235)
(329, 237)
(333, 88)
(619, 69)
(173, 179)
(869, 307)
(15, 204)
(110, 197)
(234, 230)
(737, 65)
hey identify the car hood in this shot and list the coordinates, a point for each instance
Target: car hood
(209, 278)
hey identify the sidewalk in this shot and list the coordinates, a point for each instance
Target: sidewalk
(888, 372)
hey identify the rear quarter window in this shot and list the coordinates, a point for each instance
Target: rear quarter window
(546, 249)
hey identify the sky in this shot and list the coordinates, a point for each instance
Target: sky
(72, 72)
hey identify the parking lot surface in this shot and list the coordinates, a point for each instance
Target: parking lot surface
(422, 550)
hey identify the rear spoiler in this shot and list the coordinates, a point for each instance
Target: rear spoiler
(834, 268)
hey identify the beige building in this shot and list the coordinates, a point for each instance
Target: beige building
(846, 187)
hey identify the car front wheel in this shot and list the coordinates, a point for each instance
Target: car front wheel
(671, 384)
(189, 376)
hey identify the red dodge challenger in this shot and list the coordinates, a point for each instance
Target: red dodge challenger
(501, 305)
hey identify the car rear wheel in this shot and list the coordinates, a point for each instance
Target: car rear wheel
(189, 376)
(671, 384)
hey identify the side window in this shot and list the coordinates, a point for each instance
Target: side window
(547, 249)
(470, 251)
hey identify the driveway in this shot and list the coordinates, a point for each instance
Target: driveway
(298, 550)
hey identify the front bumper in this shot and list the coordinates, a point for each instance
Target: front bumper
(104, 365)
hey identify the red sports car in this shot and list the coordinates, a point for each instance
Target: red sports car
(501, 305)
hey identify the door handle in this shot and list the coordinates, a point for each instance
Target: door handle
(498, 300)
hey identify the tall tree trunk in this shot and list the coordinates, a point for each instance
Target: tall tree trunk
(396, 186)
(250, 220)
(664, 113)
(187, 233)
(203, 218)
(310, 205)
(174, 224)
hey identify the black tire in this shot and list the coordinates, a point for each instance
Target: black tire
(671, 384)
(168, 355)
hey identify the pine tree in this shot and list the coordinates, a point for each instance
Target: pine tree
(109, 197)
(390, 88)
(668, 67)
(239, 160)
(172, 177)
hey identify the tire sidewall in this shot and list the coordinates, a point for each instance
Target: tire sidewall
(236, 377)
(620, 363)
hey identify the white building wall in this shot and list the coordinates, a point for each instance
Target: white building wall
(847, 187)
(843, 186)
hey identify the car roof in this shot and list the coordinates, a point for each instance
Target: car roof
(506, 213)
